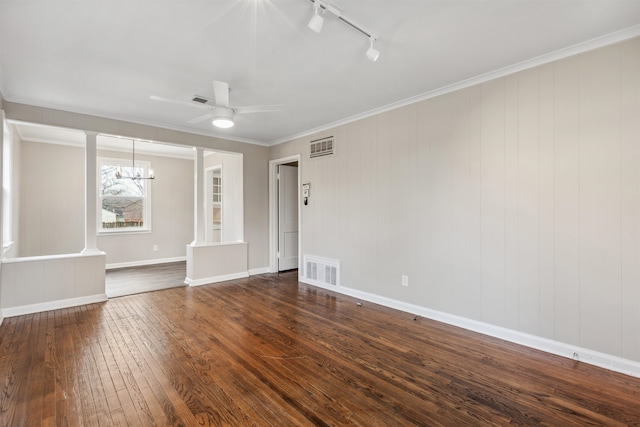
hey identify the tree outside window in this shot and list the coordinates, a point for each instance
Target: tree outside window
(124, 201)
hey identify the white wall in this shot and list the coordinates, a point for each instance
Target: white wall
(515, 202)
(51, 205)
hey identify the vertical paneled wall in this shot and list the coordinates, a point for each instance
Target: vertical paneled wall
(514, 202)
(51, 212)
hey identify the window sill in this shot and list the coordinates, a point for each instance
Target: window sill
(120, 232)
(6, 247)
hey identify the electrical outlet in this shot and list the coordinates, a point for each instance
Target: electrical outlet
(405, 280)
(155, 248)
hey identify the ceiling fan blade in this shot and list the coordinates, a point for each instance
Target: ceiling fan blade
(221, 91)
(179, 102)
(201, 118)
(248, 109)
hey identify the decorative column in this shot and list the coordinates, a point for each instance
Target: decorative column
(198, 197)
(91, 197)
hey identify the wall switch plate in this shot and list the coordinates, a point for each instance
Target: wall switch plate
(405, 280)
(155, 248)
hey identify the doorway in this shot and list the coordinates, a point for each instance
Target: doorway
(288, 216)
(284, 211)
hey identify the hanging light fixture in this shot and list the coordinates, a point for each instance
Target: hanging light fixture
(135, 171)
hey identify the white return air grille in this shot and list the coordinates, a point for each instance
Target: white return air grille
(321, 271)
(322, 147)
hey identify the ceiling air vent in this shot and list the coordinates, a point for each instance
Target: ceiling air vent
(322, 147)
(200, 99)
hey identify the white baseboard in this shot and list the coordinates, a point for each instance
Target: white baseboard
(52, 305)
(215, 279)
(592, 357)
(256, 271)
(145, 262)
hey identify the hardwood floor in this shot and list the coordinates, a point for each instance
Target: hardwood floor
(146, 278)
(267, 351)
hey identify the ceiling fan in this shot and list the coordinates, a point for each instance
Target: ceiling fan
(221, 113)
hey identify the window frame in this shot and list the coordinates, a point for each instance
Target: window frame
(7, 185)
(146, 205)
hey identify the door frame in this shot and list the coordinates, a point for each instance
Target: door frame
(273, 210)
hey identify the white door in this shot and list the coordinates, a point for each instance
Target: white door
(287, 217)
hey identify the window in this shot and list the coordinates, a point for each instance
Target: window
(124, 202)
(7, 185)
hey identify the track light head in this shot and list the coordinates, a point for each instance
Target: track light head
(316, 20)
(372, 53)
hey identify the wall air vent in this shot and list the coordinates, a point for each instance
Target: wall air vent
(322, 147)
(321, 271)
(200, 99)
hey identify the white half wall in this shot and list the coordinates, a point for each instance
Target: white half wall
(216, 262)
(34, 284)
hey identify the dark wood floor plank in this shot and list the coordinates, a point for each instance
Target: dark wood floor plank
(268, 351)
(82, 368)
(355, 382)
(209, 375)
(50, 366)
(118, 355)
(63, 370)
(277, 347)
(204, 365)
(11, 373)
(168, 406)
(24, 414)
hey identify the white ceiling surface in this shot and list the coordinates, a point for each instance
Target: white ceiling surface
(106, 57)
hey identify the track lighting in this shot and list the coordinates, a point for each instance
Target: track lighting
(372, 53)
(316, 20)
(222, 117)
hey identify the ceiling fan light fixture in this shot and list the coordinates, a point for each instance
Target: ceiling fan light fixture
(316, 20)
(372, 53)
(222, 117)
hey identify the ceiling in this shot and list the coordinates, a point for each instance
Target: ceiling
(107, 57)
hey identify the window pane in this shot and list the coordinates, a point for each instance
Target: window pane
(112, 186)
(122, 212)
